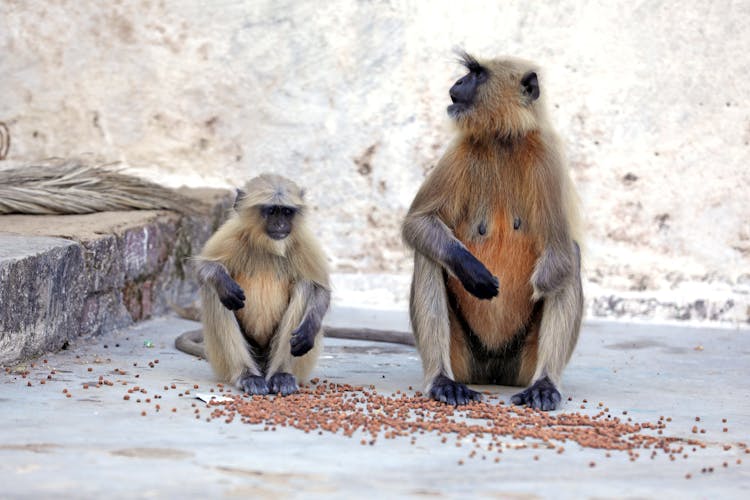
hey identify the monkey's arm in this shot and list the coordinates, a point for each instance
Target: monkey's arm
(216, 276)
(553, 269)
(429, 235)
(303, 337)
(557, 260)
(296, 332)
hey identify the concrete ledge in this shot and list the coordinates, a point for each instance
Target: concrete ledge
(63, 277)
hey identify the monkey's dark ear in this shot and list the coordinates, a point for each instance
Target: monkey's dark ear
(239, 197)
(530, 85)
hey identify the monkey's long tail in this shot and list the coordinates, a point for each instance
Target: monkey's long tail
(394, 337)
(73, 186)
(192, 342)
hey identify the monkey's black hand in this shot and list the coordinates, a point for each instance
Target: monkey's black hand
(282, 383)
(542, 395)
(254, 385)
(473, 275)
(303, 338)
(451, 392)
(230, 294)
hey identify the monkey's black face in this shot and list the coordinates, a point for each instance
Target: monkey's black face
(464, 91)
(278, 220)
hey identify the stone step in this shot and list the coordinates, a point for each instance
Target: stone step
(69, 276)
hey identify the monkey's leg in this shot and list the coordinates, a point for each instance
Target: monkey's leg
(558, 335)
(226, 348)
(429, 317)
(297, 342)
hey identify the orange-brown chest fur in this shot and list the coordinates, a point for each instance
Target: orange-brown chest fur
(498, 204)
(266, 300)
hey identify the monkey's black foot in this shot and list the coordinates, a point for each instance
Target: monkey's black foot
(542, 395)
(474, 276)
(449, 391)
(303, 339)
(231, 295)
(282, 383)
(254, 385)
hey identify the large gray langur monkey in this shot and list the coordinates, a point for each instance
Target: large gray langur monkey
(496, 295)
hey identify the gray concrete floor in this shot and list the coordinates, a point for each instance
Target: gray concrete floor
(95, 444)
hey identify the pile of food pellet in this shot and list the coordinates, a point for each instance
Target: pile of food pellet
(350, 410)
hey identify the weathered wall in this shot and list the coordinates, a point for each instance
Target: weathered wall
(650, 97)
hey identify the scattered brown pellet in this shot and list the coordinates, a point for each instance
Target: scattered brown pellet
(143, 413)
(723, 420)
(90, 369)
(126, 397)
(592, 464)
(348, 410)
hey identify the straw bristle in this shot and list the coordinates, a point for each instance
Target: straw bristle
(75, 187)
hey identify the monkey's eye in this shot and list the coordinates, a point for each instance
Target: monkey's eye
(288, 212)
(268, 211)
(480, 75)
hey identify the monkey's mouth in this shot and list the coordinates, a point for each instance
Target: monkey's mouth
(457, 109)
(278, 235)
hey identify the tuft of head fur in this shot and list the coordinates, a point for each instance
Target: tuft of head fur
(72, 186)
(501, 106)
(270, 189)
